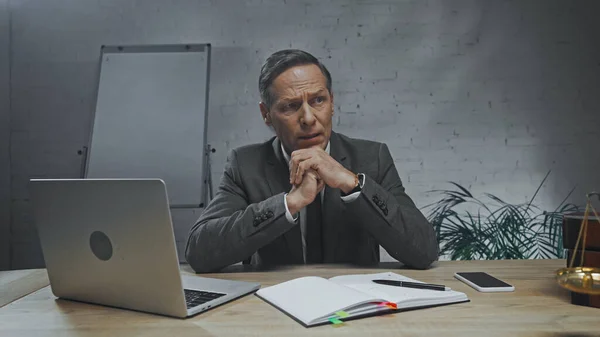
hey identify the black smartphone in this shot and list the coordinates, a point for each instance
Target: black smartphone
(484, 282)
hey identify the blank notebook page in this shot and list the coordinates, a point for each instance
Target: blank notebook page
(398, 295)
(309, 298)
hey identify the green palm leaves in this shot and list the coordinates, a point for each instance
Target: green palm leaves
(469, 228)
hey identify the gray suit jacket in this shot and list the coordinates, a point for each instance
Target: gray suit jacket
(246, 218)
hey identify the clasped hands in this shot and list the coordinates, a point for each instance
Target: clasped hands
(310, 171)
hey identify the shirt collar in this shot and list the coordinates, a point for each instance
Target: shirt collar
(287, 156)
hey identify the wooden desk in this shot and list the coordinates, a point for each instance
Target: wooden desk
(538, 307)
(15, 284)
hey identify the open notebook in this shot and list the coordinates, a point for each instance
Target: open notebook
(315, 300)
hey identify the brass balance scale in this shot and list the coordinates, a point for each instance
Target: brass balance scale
(585, 280)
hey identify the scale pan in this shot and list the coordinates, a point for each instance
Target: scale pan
(585, 280)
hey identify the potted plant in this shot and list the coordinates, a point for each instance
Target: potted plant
(469, 228)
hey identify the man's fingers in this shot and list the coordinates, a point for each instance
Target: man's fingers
(312, 174)
(300, 173)
(293, 169)
(294, 162)
(320, 185)
(296, 158)
(305, 166)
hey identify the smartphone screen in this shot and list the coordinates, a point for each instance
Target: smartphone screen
(484, 280)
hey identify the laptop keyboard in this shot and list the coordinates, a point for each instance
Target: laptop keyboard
(194, 297)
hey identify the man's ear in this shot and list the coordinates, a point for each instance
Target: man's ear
(332, 104)
(264, 111)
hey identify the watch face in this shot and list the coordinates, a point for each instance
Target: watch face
(361, 180)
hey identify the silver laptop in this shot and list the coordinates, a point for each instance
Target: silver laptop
(111, 242)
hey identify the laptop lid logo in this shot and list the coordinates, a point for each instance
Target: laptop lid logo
(101, 246)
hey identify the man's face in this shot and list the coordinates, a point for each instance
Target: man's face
(302, 108)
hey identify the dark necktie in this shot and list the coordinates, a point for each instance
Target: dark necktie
(313, 232)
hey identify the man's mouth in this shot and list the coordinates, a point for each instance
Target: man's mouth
(311, 136)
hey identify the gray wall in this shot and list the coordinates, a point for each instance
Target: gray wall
(490, 94)
(4, 137)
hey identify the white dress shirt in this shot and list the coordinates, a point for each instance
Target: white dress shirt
(291, 219)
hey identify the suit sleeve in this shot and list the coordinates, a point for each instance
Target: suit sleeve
(230, 229)
(393, 219)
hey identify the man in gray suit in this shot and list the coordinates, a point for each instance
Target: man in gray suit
(308, 195)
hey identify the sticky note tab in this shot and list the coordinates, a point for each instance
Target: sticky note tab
(390, 305)
(334, 320)
(342, 314)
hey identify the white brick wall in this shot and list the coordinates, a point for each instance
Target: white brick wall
(490, 94)
(4, 139)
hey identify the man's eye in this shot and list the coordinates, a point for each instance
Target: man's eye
(291, 106)
(320, 100)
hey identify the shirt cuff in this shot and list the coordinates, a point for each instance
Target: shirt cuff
(350, 197)
(288, 215)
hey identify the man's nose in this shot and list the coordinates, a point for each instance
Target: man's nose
(307, 117)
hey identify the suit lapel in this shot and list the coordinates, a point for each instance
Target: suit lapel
(332, 203)
(276, 173)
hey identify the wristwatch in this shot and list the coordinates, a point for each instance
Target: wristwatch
(359, 185)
